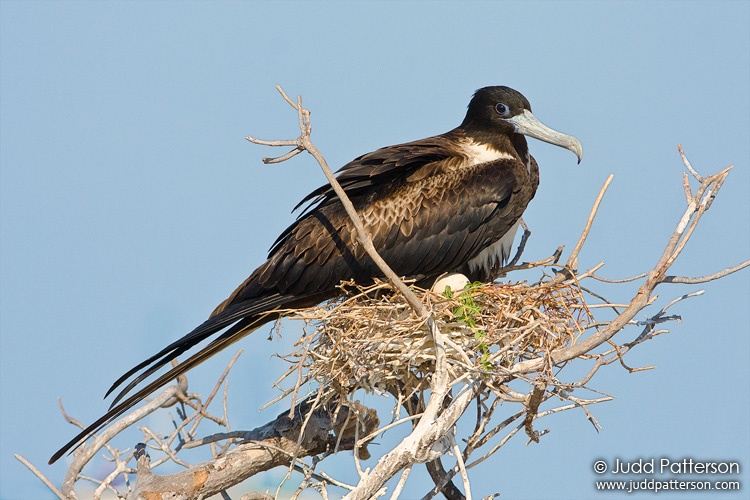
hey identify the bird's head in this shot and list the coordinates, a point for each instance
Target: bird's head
(497, 111)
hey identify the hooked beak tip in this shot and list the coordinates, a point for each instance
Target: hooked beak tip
(577, 148)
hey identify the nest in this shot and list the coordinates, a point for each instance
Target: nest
(370, 338)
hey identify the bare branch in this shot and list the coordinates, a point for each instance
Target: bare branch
(521, 244)
(573, 259)
(85, 453)
(269, 446)
(42, 477)
(461, 466)
(688, 165)
(707, 278)
(624, 280)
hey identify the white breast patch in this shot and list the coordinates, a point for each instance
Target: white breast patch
(482, 153)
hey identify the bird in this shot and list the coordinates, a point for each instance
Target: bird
(448, 203)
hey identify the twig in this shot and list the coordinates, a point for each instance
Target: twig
(688, 165)
(573, 259)
(659, 318)
(381, 430)
(106, 484)
(59, 494)
(401, 483)
(461, 466)
(521, 244)
(85, 454)
(623, 280)
(709, 277)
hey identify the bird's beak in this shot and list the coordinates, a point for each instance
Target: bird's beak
(527, 124)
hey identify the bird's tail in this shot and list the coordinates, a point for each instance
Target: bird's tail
(241, 318)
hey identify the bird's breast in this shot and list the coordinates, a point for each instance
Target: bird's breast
(495, 256)
(477, 153)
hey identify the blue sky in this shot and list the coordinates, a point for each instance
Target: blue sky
(131, 203)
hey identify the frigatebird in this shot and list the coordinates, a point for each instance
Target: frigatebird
(448, 203)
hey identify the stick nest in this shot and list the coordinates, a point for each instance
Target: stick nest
(370, 339)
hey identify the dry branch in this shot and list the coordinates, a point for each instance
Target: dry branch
(312, 431)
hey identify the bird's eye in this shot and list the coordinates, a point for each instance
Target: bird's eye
(503, 109)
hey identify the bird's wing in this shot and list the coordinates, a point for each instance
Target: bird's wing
(386, 165)
(420, 227)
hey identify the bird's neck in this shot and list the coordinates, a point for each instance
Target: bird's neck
(521, 148)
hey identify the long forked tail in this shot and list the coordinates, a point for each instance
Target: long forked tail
(244, 318)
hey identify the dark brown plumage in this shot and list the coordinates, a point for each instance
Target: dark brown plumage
(448, 203)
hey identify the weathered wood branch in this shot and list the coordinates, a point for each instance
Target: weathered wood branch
(278, 443)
